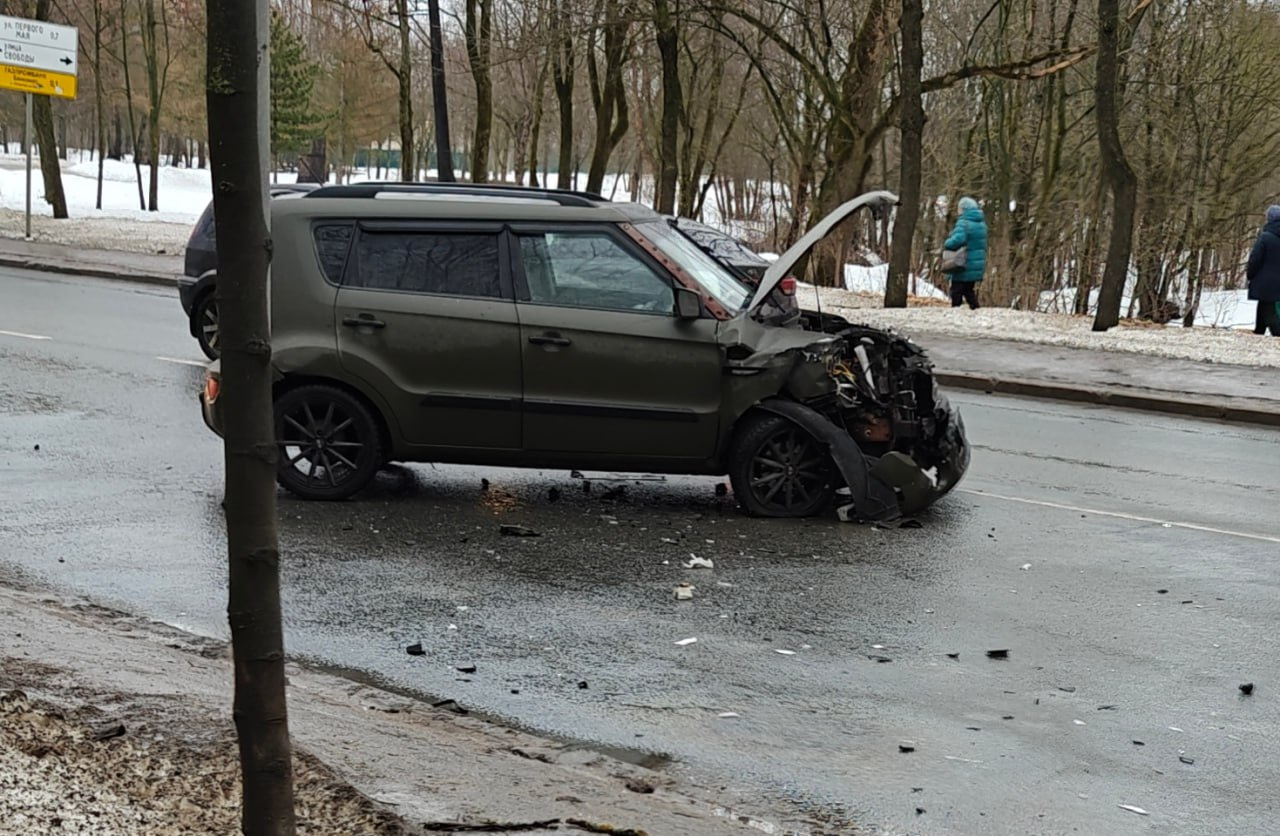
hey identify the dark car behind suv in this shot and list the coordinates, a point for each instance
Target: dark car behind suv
(199, 276)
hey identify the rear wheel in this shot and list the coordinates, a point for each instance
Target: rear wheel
(204, 322)
(328, 442)
(779, 470)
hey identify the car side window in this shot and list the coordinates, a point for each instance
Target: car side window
(592, 270)
(444, 263)
(332, 243)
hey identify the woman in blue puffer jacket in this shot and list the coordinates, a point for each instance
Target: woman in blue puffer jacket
(970, 233)
(1263, 273)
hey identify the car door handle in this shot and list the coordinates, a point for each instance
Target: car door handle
(551, 339)
(363, 321)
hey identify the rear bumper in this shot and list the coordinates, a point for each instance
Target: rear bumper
(211, 414)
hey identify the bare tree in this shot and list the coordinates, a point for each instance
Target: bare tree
(440, 95)
(42, 119)
(156, 61)
(911, 68)
(478, 33)
(237, 63)
(608, 90)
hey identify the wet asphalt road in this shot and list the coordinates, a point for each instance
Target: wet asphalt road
(1128, 562)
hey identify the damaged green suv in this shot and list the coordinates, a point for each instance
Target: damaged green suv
(552, 329)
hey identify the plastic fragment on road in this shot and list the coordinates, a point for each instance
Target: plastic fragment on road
(1132, 809)
(695, 562)
(961, 760)
(684, 591)
(510, 530)
(415, 649)
(1247, 689)
(1080, 722)
(997, 654)
(685, 642)
(907, 746)
(1026, 567)
(784, 652)
(727, 715)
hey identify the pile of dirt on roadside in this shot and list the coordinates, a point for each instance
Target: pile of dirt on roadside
(68, 771)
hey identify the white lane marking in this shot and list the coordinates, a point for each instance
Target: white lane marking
(183, 362)
(1120, 515)
(24, 336)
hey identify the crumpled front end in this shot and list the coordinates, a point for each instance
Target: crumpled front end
(871, 396)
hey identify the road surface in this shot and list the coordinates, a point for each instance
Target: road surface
(1126, 562)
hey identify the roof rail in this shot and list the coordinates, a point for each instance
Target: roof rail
(497, 190)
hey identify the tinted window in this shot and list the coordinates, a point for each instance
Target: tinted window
(332, 242)
(454, 264)
(592, 270)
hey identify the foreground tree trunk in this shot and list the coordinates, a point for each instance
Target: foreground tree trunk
(667, 35)
(237, 63)
(478, 33)
(405, 81)
(904, 226)
(1115, 168)
(42, 117)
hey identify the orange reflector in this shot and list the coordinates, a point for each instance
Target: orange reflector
(212, 386)
(788, 286)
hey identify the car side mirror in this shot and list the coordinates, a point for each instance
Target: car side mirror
(688, 304)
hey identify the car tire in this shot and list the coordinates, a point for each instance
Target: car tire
(779, 470)
(329, 445)
(204, 324)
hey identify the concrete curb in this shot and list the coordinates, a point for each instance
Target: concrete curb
(86, 269)
(1218, 410)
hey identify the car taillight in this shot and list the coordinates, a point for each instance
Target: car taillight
(212, 386)
(788, 286)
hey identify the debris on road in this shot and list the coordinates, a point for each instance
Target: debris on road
(953, 655)
(1108, 707)
(1130, 808)
(883, 660)
(640, 785)
(1026, 567)
(684, 591)
(510, 530)
(583, 685)
(488, 826)
(450, 705)
(998, 654)
(1080, 722)
(575, 474)
(726, 715)
(1247, 689)
(466, 669)
(685, 642)
(484, 484)
(1138, 743)
(907, 746)
(961, 760)
(784, 652)
(1069, 689)
(695, 562)
(1188, 761)
(415, 649)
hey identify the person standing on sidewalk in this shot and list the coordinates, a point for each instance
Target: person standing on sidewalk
(971, 235)
(1263, 273)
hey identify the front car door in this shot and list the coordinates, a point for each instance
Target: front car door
(425, 316)
(608, 368)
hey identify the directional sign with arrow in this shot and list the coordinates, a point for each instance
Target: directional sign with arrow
(38, 57)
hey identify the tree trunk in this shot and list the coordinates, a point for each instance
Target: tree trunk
(155, 96)
(237, 40)
(608, 93)
(564, 68)
(1115, 168)
(134, 136)
(667, 34)
(535, 132)
(904, 227)
(42, 117)
(116, 152)
(444, 153)
(478, 33)
(405, 80)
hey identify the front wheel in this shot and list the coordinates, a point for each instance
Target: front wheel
(779, 470)
(328, 443)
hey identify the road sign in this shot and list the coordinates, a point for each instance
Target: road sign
(38, 57)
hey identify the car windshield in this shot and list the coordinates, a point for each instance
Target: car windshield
(709, 273)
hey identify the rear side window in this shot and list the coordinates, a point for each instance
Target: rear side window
(445, 263)
(332, 243)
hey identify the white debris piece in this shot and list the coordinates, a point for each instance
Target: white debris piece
(684, 642)
(696, 562)
(1133, 809)
(1026, 567)
(684, 591)
(725, 715)
(785, 652)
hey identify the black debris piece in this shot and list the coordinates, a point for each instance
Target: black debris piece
(466, 668)
(1188, 601)
(582, 686)
(906, 747)
(1070, 689)
(917, 789)
(108, 731)
(37, 448)
(1138, 743)
(920, 811)
(415, 649)
(1007, 717)
(484, 484)
(640, 785)
(488, 827)
(576, 474)
(1162, 592)
(881, 659)
(1108, 707)
(515, 690)
(997, 654)
(1246, 688)
(1188, 761)
(450, 705)
(953, 655)
(973, 728)
(510, 530)
(722, 489)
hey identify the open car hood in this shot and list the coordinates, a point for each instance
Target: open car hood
(781, 268)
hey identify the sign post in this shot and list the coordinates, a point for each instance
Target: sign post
(37, 58)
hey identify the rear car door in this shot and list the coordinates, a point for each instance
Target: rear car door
(608, 368)
(426, 317)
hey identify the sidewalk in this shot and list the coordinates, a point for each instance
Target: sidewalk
(1128, 380)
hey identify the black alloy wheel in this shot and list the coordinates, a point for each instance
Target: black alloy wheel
(328, 443)
(779, 470)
